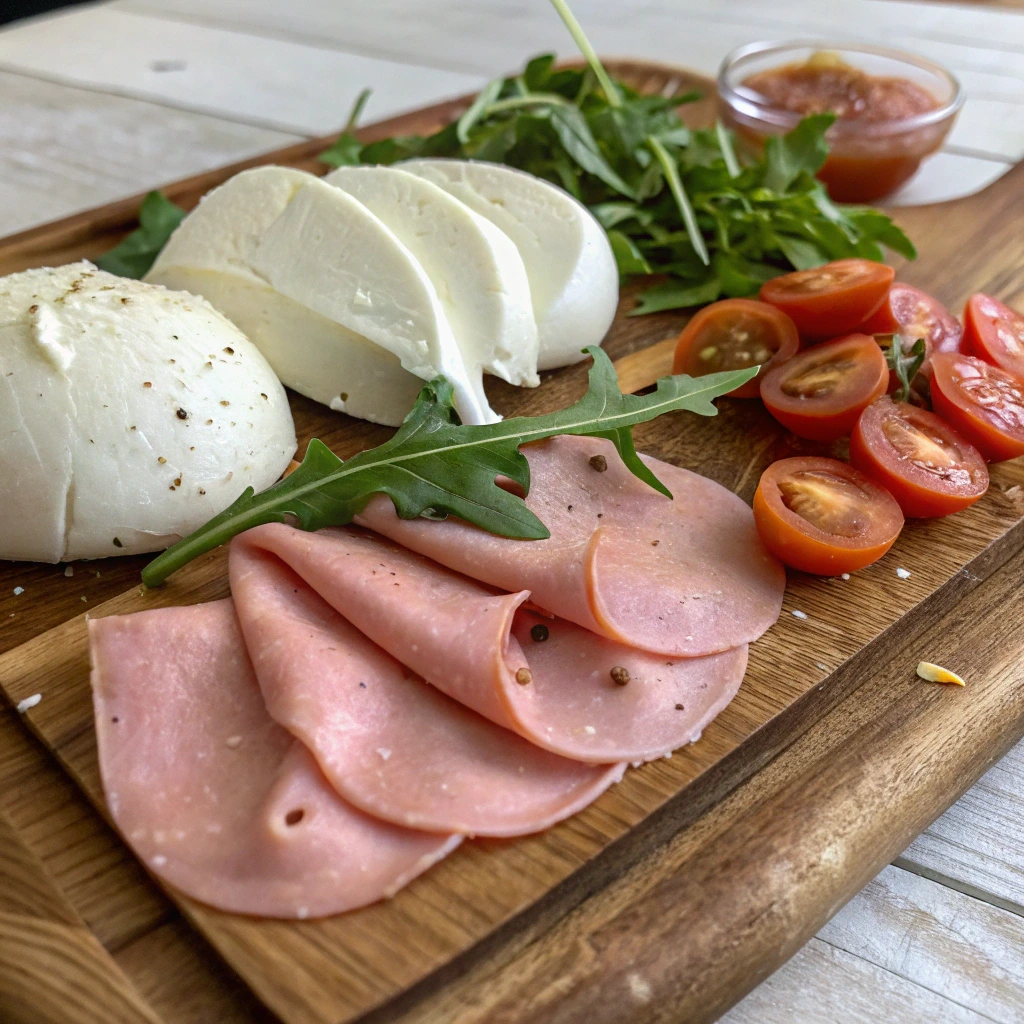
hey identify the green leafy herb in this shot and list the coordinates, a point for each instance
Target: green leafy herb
(905, 362)
(134, 255)
(436, 466)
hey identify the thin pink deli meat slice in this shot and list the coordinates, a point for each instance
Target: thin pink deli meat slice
(474, 644)
(389, 743)
(215, 797)
(685, 576)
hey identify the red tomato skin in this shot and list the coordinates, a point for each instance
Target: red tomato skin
(789, 339)
(984, 318)
(916, 501)
(821, 425)
(994, 444)
(912, 313)
(801, 550)
(829, 314)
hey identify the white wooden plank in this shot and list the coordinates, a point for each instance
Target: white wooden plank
(825, 985)
(977, 845)
(277, 83)
(453, 34)
(948, 176)
(64, 150)
(966, 950)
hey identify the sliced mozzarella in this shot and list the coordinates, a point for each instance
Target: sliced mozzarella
(574, 282)
(332, 365)
(475, 268)
(317, 246)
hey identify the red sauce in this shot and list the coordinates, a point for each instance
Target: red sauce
(848, 92)
(866, 161)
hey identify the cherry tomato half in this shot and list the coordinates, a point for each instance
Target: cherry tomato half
(734, 334)
(832, 299)
(820, 392)
(922, 461)
(823, 516)
(912, 314)
(982, 402)
(995, 333)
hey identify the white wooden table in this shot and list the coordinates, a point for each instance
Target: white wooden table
(110, 99)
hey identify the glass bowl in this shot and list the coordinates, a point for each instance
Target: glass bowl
(868, 159)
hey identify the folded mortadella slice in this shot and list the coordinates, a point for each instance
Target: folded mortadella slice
(214, 796)
(684, 576)
(390, 744)
(478, 647)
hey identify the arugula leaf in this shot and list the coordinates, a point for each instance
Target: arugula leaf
(437, 465)
(134, 255)
(574, 133)
(803, 150)
(628, 257)
(677, 295)
(904, 362)
(490, 92)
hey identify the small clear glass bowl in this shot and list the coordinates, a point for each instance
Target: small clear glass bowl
(867, 159)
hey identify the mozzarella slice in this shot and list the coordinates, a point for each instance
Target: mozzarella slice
(574, 282)
(287, 231)
(475, 268)
(332, 365)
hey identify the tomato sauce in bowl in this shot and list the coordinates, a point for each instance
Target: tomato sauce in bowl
(892, 109)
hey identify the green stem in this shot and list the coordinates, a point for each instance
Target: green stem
(675, 184)
(357, 111)
(575, 30)
(534, 99)
(732, 165)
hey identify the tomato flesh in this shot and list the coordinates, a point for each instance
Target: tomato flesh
(994, 332)
(732, 335)
(922, 461)
(832, 299)
(820, 393)
(824, 516)
(982, 402)
(911, 313)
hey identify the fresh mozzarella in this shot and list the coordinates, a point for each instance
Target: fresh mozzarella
(129, 415)
(331, 365)
(573, 278)
(317, 246)
(475, 268)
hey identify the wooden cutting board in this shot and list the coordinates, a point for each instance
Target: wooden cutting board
(343, 968)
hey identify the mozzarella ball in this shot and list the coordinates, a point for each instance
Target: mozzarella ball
(129, 415)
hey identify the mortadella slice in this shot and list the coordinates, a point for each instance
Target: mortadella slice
(390, 744)
(685, 576)
(215, 797)
(479, 647)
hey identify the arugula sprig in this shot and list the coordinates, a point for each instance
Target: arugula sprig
(904, 361)
(436, 466)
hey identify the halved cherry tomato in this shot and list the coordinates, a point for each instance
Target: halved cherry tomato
(912, 314)
(995, 333)
(922, 461)
(823, 516)
(832, 299)
(820, 392)
(732, 335)
(982, 402)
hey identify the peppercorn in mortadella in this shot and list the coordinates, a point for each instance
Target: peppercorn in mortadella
(683, 576)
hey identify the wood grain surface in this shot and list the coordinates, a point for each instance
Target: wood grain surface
(497, 894)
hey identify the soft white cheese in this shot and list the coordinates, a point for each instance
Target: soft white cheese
(331, 365)
(474, 267)
(573, 278)
(315, 245)
(129, 415)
